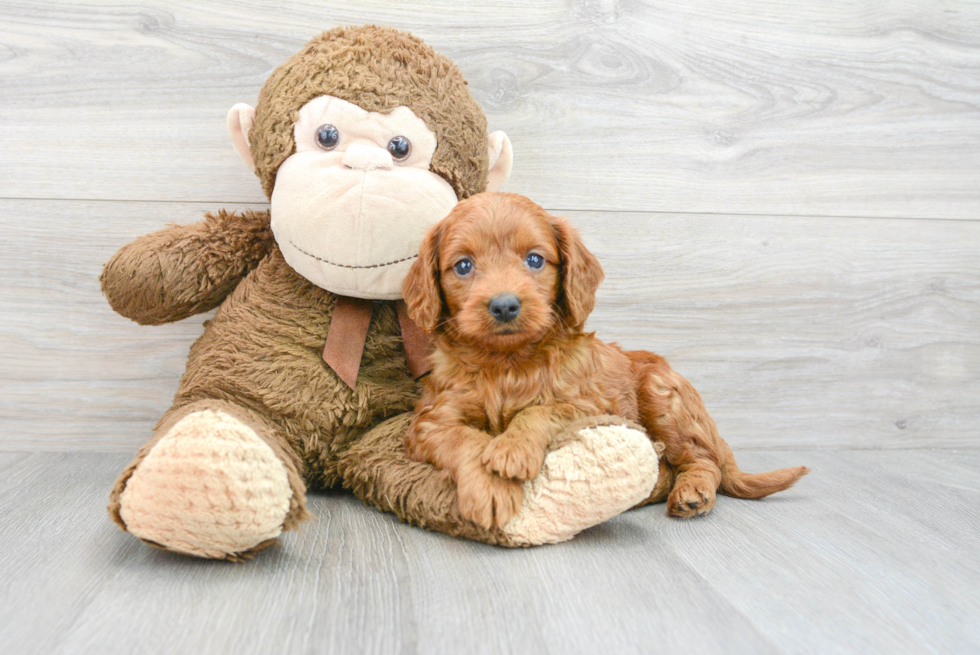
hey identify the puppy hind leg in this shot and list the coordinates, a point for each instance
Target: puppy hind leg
(694, 489)
(673, 413)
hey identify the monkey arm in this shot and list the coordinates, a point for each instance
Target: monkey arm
(185, 269)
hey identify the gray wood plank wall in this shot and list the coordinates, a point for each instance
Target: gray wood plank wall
(785, 196)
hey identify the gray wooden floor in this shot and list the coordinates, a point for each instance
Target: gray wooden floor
(785, 197)
(875, 551)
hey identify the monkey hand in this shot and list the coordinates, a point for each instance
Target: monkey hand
(183, 270)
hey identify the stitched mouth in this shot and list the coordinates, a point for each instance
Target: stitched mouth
(327, 261)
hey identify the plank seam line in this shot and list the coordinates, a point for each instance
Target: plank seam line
(766, 215)
(665, 212)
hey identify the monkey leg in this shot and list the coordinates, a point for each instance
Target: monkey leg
(665, 480)
(594, 470)
(216, 481)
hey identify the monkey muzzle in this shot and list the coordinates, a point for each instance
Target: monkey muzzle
(354, 227)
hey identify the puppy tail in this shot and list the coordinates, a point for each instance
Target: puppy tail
(736, 483)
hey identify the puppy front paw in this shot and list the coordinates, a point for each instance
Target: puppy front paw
(488, 499)
(511, 456)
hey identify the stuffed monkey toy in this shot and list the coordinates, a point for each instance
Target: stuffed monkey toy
(306, 377)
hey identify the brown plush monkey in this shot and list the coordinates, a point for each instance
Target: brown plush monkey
(306, 376)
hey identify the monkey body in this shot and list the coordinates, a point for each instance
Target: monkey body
(285, 332)
(260, 359)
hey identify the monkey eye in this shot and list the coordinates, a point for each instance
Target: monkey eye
(534, 261)
(399, 147)
(327, 136)
(463, 267)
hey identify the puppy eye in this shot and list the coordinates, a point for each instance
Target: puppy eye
(463, 267)
(327, 137)
(534, 261)
(399, 147)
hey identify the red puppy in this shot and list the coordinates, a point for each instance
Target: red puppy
(505, 288)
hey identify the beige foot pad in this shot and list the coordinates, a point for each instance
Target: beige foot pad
(589, 476)
(211, 487)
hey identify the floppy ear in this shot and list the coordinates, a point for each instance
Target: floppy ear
(421, 286)
(581, 273)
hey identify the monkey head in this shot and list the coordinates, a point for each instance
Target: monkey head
(362, 141)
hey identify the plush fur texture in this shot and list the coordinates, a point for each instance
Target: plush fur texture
(595, 470)
(211, 486)
(553, 509)
(186, 269)
(260, 357)
(261, 354)
(209, 470)
(378, 69)
(501, 389)
(259, 360)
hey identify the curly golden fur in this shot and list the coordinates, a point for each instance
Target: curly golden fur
(504, 382)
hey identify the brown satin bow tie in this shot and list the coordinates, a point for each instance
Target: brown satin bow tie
(348, 332)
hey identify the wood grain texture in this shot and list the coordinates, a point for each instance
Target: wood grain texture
(859, 557)
(734, 106)
(798, 332)
(701, 147)
(804, 332)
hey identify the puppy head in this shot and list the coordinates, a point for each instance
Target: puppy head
(500, 272)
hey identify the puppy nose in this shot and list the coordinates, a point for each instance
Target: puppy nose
(505, 307)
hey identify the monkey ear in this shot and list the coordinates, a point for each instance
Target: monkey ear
(241, 117)
(501, 161)
(581, 273)
(421, 286)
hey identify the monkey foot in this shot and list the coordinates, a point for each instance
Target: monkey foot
(590, 475)
(210, 487)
